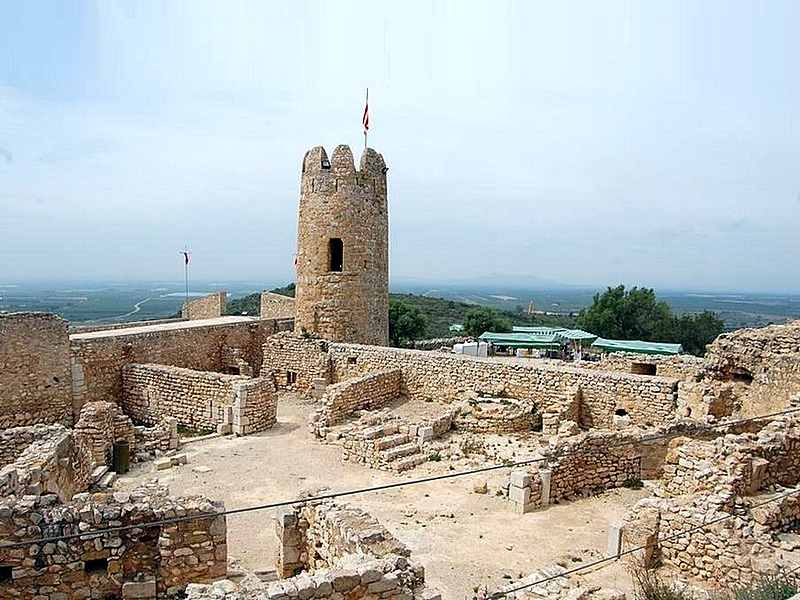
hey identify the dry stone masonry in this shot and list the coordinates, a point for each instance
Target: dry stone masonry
(646, 400)
(199, 399)
(35, 380)
(342, 281)
(208, 307)
(276, 306)
(149, 559)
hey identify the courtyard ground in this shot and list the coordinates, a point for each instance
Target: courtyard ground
(465, 540)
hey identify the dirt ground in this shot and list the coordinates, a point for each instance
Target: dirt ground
(465, 540)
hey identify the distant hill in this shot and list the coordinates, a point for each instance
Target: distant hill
(439, 313)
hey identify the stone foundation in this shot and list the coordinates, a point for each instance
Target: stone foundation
(345, 399)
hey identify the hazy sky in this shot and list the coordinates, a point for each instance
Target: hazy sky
(596, 143)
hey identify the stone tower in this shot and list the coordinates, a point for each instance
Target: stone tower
(343, 248)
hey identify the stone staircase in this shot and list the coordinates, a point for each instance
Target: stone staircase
(388, 446)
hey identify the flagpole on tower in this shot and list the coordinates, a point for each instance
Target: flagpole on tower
(365, 119)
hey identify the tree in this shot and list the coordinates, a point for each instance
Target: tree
(627, 315)
(481, 319)
(406, 323)
(638, 315)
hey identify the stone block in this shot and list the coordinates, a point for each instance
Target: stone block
(139, 590)
(425, 433)
(162, 463)
(520, 479)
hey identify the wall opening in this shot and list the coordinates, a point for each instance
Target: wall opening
(351, 360)
(291, 377)
(621, 412)
(643, 368)
(335, 255)
(5, 574)
(96, 566)
(231, 370)
(743, 377)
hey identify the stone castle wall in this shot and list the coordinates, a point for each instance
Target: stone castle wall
(276, 306)
(208, 307)
(343, 218)
(127, 325)
(98, 358)
(198, 399)
(155, 559)
(51, 460)
(647, 400)
(35, 380)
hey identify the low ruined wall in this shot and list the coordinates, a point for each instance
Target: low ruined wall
(493, 415)
(706, 481)
(198, 399)
(168, 555)
(682, 366)
(647, 400)
(371, 391)
(276, 306)
(54, 462)
(100, 425)
(346, 551)
(35, 380)
(98, 358)
(207, 307)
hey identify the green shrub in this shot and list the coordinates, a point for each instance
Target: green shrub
(769, 587)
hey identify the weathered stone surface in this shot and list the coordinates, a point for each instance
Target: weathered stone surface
(343, 247)
(35, 378)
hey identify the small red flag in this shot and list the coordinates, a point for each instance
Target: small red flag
(185, 258)
(365, 118)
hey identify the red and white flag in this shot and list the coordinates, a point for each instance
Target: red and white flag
(365, 118)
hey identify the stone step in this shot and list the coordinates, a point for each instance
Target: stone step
(98, 472)
(379, 431)
(399, 452)
(390, 441)
(408, 462)
(107, 480)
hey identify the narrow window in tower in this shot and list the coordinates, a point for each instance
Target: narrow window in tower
(335, 254)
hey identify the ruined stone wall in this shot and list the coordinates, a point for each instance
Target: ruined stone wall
(342, 400)
(35, 381)
(166, 556)
(296, 361)
(345, 551)
(276, 306)
(343, 218)
(493, 415)
(647, 400)
(682, 366)
(100, 425)
(54, 462)
(208, 307)
(198, 399)
(729, 479)
(755, 370)
(98, 358)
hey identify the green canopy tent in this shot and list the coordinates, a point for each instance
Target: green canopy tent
(637, 347)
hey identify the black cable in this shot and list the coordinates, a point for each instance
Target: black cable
(377, 488)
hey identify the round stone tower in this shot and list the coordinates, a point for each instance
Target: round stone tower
(343, 248)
